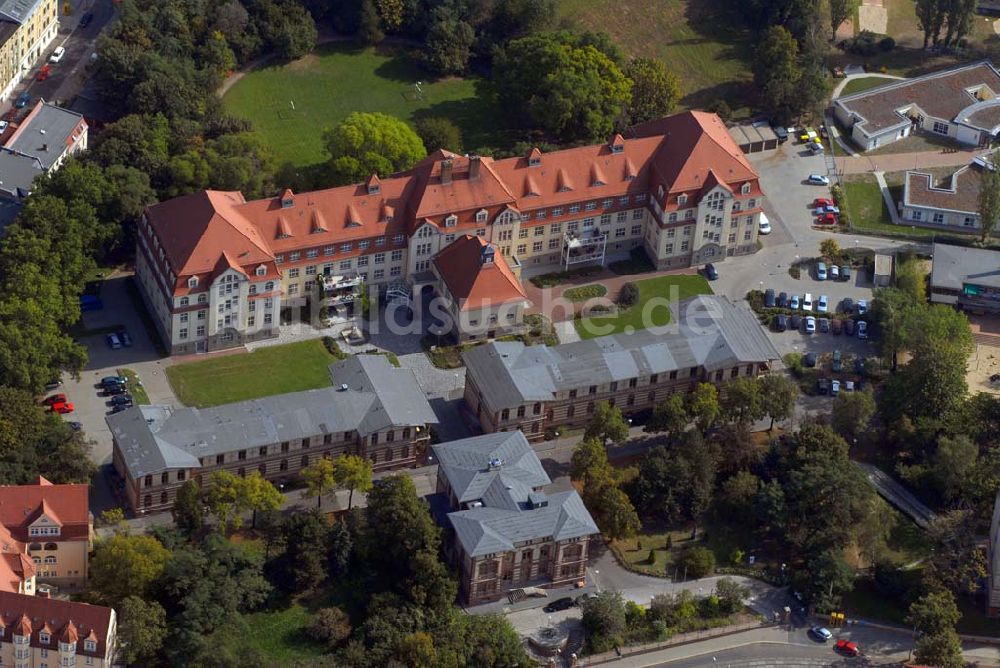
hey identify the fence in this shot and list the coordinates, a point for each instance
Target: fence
(681, 639)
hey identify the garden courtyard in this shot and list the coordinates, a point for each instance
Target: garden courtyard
(292, 104)
(651, 309)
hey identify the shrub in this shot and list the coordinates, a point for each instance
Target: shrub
(651, 559)
(737, 557)
(721, 108)
(330, 627)
(331, 346)
(437, 133)
(697, 562)
(887, 43)
(628, 295)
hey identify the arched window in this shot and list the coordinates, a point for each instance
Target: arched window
(163, 497)
(50, 559)
(52, 546)
(269, 286)
(34, 546)
(263, 469)
(148, 500)
(388, 454)
(305, 461)
(284, 465)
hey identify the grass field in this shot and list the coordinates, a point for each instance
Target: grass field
(280, 635)
(701, 41)
(867, 210)
(337, 79)
(656, 314)
(863, 83)
(266, 371)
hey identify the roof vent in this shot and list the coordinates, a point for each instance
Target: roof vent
(495, 464)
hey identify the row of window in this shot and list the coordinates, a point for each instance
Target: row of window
(346, 247)
(606, 203)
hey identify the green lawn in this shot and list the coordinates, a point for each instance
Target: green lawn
(647, 312)
(266, 371)
(701, 41)
(863, 83)
(135, 387)
(278, 635)
(868, 212)
(337, 79)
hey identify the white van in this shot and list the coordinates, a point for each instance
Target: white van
(807, 302)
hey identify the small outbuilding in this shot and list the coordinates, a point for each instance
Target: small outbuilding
(883, 271)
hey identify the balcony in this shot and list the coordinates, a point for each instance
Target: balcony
(587, 246)
(340, 289)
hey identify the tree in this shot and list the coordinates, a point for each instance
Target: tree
(935, 615)
(256, 493)
(142, 626)
(302, 567)
(669, 417)
(911, 278)
(341, 548)
(448, 46)
(887, 311)
(437, 132)
(568, 86)
(354, 473)
(731, 595)
(956, 563)
(743, 400)
(188, 510)
(840, 11)
(34, 442)
(989, 198)
(604, 620)
(703, 406)
(777, 73)
(930, 18)
(607, 424)
(125, 565)
(222, 500)
(589, 460)
(953, 463)
(736, 497)
(825, 579)
(492, 641)
(696, 562)
(369, 24)
(778, 395)
(371, 143)
(616, 515)
(830, 249)
(655, 90)
(320, 479)
(852, 411)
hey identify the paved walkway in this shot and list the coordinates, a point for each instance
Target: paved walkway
(898, 496)
(887, 196)
(898, 162)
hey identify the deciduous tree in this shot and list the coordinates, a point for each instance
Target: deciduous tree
(320, 479)
(142, 626)
(188, 510)
(655, 90)
(607, 424)
(777, 73)
(935, 616)
(221, 500)
(331, 626)
(125, 565)
(302, 567)
(852, 411)
(670, 417)
(778, 395)
(703, 406)
(353, 473)
(256, 493)
(743, 400)
(371, 143)
(437, 132)
(989, 197)
(840, 11)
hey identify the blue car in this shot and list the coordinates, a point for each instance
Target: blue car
(862, 306)
(22, 100)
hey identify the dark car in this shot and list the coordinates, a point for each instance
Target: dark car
(780, 323)
(809, 359)
(847, 306)
(781, 133)
(583, 598)
(711, 272)
(76, 426)
(113, 380)
(859, 365)
(110, 390)
(838, 361)
(122, 400)
(824, 325)
(125, 338)
(849, 327)
(836, 326)
(90, 303)
(564, 603)
(795, 322)
(822, 385)
(53, 384)
(769, 298)
(22, 100)
(782, 300)
(86, 19)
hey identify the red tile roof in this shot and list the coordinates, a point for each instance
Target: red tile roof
(475, 284)
(66, 505)
(22, 615)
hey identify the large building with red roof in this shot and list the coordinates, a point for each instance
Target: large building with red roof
(216, 270)
(45, 534)
(38, 631)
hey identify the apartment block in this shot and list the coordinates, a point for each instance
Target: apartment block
(373, 410)
(27, 27)
(510, 386)
(217, 270)
(505, 531)
(38, 631)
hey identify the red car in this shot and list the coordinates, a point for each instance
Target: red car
(827, 219)
(54, 399)
(44, 73)
(62, 407)
(847, 647)
(822, 201)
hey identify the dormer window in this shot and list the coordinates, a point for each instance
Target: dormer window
(745, 189)
(481, 215)
(534, 158)
(260, 270)
(89, 646)
(193, 282)
(451, 221)
(682, 199)
(287, 199)
(44, 638)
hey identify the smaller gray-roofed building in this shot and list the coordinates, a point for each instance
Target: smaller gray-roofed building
(538, 388)
(754, 137)
(17, 174)
(381, 415)
(966, 277)
(507, 531)
(950, 203)
(882, 272)
(49, 134)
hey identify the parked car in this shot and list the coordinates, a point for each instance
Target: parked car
(113, 380)
(862, 329)
(820, 633)
(822, 385)
(822, 201)
(125, 338)
(809, 360)
(782, 300)
(838, 361)
(122, 400)
(44, 73)
(862, 306)
(834, 387)
(3, 126)
(848, 386)
(564, 603)
(780, 323)
(54, 399)
(62, 408)
(818, 180)
(114, 341)
(22, 100)
(845, 272)
(807, 302)
(122, 407)
(836, 327)
(794, 303)
(847, 647)
(816, 147)
(822, 305)
(769, 298)
(76, 426)
(827, 208)
(765, 224)
(810, 325)
(57, 55)
(849, 327)
(795, 322)
(824, 325)
(85, 20)
(847, 306)
(859, 365)
(821, 271)
(781, 133)
(110, 390)
(90, 303)
(834, 272)
(710, 272)
(827, 219)
(583, 598)
(53, 384)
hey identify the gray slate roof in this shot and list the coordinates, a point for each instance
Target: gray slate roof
(708, 331)
(955, 265)
(18, 10)
(157, 438)
(18, 173)
(46, 133)
(512, 512)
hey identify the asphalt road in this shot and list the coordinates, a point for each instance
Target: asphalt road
(769, 654)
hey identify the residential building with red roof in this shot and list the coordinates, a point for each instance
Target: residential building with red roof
(45, 533)
(216, 270)
(41, 631)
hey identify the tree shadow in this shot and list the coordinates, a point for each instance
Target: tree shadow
(717, 21)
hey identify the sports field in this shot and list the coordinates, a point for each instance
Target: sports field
(292, 104)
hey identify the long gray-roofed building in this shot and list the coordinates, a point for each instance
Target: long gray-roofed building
(511, 386)
(966, 277)
(507, 531)
(373, 410)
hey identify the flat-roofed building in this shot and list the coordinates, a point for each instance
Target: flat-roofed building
(966, 277)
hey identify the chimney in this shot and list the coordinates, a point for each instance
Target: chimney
(446, 171)
(474, 167)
